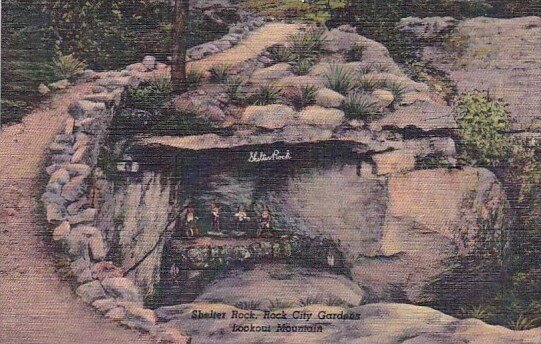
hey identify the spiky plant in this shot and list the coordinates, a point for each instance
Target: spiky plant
(369, 83)
(307, 43)
(234, 85)
(358, 105)
(301, 96)
(335, 301)
(280, 53)
(218, 73)
(280, 304)
(312, 300)
(248, 305)
(340, 79)
(477, 312)
(398, 90)
(67, 66)
(302, 66)
(193, 78)
(266, 94)
(523, 322)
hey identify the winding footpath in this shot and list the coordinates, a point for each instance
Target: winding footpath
(36, 304)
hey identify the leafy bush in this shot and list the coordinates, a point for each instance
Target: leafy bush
(478, 312)
(161, 82)
(301, 96)
(523, 322)
(358, 104)
(67, 66)
(483, 125)
(234, 87)
(266, 94)
(219, 72)
(145, 98)
(355, 53)
(340, 79)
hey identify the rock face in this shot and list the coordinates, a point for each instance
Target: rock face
(264, 285)
(269, 116)
(427, 29)
(498, 55)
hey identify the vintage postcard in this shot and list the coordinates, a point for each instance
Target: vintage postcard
(270, 171)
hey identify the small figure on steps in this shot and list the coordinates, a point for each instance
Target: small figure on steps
(242, 218)
(215, 211)
(265, 221)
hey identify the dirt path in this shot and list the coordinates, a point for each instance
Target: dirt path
(36, 305)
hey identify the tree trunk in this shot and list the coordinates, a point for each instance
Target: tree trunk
(178, 67)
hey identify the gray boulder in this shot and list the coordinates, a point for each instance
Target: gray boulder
(90, 292)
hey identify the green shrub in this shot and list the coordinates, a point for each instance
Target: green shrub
(266, 94)
(306, 44)
(145, 97)
(193, 78)
(398, 90)
(219, 72)
(301, 96)
(359, 105)
(234, 87)
(355, 53)
(522, 323)
(483, 124)
(340, 79)
(369, 83)
(67, 66)
(478, 312)
(302, 66)
(280, 53)
(161, 82)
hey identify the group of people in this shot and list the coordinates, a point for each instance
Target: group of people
(191, 229)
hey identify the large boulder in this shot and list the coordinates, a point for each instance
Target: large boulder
(421, 116)
(123, 289)
(322, 117)
(271, 74)
(328, 98)
(273, 116)
(427, 29)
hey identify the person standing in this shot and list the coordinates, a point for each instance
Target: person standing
(265, 221)
(215, 212)
(242, 218)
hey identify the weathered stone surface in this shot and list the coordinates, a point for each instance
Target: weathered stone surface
(55, 212)
(122, 288)
(97, 247)
(109, 98)
(79, 155)
(81, 140)
(269, 116)
(412, 97)
(43, 90)
(74, 188)
(320, 116)
(202, 50)
(394, 162)
(77, 241)
(61, 176)
(77, 169)
(423, 116)
(60, 148)
(137, 67)
(427, 29)
(117, 313)
(271, 74)
(120, 81)
(135, 312)
(98, 89)
(90, 292)
(104, 305)
(80, 269)
(103, 270)
(59, 85)
(77, 206)
(328, 98)
(61, 231)
(85, 216)
(68, 129)
(339, 41)
(384, 97)
(85, 108)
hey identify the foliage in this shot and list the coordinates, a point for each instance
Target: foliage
(306, 44)
(359, 105)
(219, 72)
(150, 96)
(302, 66)
(355, 53)
(317, 11)
(193, 78)
(339, 79)
(483, 124)
(234, 87)
(266, 94)
(280, 53)
(335, 301)
(522, 323)
(301, 96)
(312, 300)
(398, 90)
(369, 83)
(67, 66)
(161, 82)
(478, 312)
